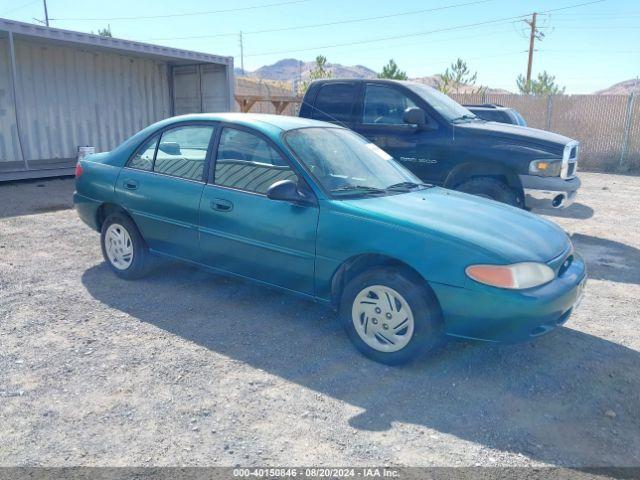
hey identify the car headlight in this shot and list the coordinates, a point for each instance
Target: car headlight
(546, 168)
(517, 276)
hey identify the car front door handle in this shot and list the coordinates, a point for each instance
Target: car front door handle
(130, 184)
(221, 205)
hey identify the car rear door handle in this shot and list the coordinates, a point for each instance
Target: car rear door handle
(130, 184)
(221, 205)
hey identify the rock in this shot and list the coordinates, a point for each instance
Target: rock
(610, 414)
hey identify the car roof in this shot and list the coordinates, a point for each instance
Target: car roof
(260, 121)
(369, 80)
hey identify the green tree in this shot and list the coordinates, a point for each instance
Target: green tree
(321, 70)
(544, 84)
(391, 70)
(456, 76)
(105, 32)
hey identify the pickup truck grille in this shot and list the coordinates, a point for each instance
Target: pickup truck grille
(570, 160)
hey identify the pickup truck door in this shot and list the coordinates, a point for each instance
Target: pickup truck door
(423, 151)
(244, 232)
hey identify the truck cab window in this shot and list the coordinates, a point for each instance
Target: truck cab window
(384, 105)
(334, 102)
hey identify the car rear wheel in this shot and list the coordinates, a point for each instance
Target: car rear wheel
(123, 248)
(492, 188)
(389, 316)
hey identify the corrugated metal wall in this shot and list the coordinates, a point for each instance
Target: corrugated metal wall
(9, 146)
(200, 88)
(69, 96)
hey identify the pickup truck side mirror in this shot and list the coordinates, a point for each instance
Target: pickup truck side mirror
(288, 191)
(414, 116)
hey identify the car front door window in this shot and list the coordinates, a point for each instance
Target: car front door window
(247, 162)
(384, 105)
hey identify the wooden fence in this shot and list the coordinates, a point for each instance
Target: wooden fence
(607, 126)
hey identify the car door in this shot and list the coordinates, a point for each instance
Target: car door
(161, 186)
(244, 232)
(421, 150)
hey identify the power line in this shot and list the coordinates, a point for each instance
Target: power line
(417, 34)
(174, 15)
(19, 8)
(327, 24)
(431, 42)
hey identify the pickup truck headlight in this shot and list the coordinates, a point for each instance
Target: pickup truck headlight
(546, 168)
(517, 276)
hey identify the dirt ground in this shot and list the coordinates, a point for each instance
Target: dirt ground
(190, 368)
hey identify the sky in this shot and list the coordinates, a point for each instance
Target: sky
(587, 47)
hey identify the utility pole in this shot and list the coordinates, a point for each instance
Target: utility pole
(532, 39)
(46, 13)
(241, 54)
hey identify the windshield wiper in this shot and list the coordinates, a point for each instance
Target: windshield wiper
(466, 116)
(362, 188)
(408, 186)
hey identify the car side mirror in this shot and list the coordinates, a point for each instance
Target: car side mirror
(288, 191)
(414, 116)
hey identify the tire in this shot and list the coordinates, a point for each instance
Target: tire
(413, 300)
(492, 188)
(130, 258)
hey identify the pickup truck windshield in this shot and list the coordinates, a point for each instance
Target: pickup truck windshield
(344, 163)
(444, 105)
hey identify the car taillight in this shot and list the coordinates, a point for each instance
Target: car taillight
(78, 169)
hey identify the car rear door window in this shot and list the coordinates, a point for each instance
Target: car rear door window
(384, 105)
(334, 102)
(143, 158)
(182, 151)
(247, 162)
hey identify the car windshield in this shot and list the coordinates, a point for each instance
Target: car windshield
(444, 105)
(344, 163)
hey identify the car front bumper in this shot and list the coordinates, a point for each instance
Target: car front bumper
(511, 316)
(549, 192)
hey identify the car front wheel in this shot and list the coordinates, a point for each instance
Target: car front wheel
(123, 248)
(390, 316)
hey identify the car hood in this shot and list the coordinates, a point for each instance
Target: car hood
(505, 233)
(527, 135)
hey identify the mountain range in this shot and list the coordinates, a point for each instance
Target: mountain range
(291, 69)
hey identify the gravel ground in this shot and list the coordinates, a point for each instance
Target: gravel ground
(189, 368)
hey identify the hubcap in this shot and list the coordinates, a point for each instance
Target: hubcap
(119, 247)
(382, 318)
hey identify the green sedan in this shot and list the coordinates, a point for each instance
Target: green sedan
(319, 211)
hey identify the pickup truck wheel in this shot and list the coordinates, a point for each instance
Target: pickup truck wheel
(491, 188)
(123, 248)
(390, 317)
